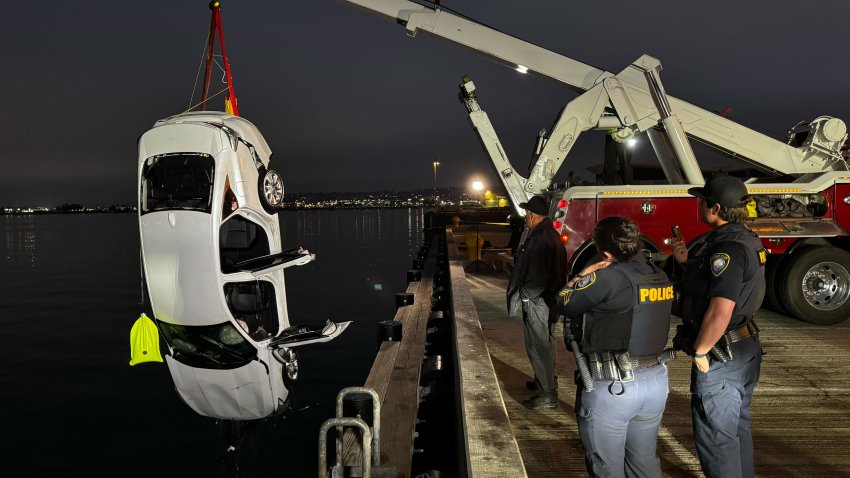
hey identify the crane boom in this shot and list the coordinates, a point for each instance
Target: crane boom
(632, 101)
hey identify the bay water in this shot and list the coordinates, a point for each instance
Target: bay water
(70, 289)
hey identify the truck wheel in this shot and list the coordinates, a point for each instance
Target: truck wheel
(814, 285)
(271, 189)
(771, 294)
(588, 257)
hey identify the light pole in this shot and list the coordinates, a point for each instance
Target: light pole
(436, 163)
(478, 186)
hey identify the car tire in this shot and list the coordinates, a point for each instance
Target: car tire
(814, 284)
(270, 188)
(288, 357)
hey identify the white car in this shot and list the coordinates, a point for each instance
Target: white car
(213, 264)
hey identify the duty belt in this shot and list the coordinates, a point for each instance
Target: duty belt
(647, 362)
(750, 329)
(620, 367)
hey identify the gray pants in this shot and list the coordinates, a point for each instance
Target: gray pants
(620, 432)
(540, 345)
(720, 410)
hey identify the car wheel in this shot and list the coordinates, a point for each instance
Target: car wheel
(289, 359)
(814, 284)
(271, 189)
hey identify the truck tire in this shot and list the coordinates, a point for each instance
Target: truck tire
(814, 284)
(771, 293)
(588, 257)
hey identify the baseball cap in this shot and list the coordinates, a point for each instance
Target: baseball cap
(537, 205)
(721, 189)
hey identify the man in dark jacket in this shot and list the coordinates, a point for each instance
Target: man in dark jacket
(539, 273)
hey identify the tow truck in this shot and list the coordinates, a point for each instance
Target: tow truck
(800, 209)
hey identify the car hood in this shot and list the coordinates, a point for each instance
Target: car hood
(242, 393)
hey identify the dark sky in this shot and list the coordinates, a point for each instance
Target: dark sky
(348, 102)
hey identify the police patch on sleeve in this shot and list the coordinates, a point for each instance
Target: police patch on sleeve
(719, 262)
(565, 296)
(586, 281)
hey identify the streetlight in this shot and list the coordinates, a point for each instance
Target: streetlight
(478, 186)
(436, 163)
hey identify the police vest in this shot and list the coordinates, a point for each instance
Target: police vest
(642, 329)
(698, 273)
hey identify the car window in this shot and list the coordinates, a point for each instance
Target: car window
(218, 346)
(239, 240)
(179, 181)
(254, 307)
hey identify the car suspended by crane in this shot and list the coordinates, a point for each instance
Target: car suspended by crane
(213, 261)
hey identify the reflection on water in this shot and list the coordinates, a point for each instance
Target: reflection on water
(361, 225)
(19, 241)
(70, 289)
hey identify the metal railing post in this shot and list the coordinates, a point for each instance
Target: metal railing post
(323, 444)
(376, 420)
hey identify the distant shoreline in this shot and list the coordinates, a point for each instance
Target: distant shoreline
(133, 211)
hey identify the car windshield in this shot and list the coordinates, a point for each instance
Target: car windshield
(177, 181)
(218, 346)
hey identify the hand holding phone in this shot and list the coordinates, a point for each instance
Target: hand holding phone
(680, 250)
(676, 234)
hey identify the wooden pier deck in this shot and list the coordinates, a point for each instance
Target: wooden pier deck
(801, 409)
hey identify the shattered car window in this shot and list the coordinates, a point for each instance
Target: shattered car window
(218, 346)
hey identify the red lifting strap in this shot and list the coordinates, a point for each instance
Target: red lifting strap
(215, 28)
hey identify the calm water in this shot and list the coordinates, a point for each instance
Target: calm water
(69, 293)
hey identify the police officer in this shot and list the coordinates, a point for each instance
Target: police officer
(722, 288)
(619, 320)
(539, 273)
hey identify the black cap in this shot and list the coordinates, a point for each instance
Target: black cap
(722, 189)
(537, 205)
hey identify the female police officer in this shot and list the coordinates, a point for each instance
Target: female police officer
(619, 313)
(722, 288)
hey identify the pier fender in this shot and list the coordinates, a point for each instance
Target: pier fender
(414, 275)
(358, 405)
(432, 367)
(389, 331)
(402, 299)
(436, 318)
(439, 298)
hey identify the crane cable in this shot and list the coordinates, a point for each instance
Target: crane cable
(198, 75)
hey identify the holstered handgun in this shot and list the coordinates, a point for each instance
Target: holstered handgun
(722, 350)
